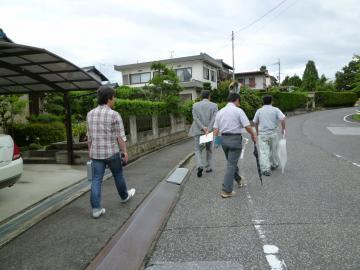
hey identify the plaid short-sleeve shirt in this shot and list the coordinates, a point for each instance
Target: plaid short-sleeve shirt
(104, 126)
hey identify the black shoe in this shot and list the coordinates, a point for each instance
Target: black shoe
(239, 181)
(267, 173)
(209, 170)
(200, 171)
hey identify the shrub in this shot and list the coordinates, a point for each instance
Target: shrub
(335, 99)
(127, 92)
(79, 129)
(45, 118)
(356, 90)
(186, 110)
(250, 102)
(140, 107)
(42, 133)
(34, 146)
(287, 101)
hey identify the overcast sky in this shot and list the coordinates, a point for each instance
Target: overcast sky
(108, 32)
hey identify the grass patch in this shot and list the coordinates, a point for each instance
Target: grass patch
(356, 117)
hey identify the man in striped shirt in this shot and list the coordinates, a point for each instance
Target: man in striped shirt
(105, 132)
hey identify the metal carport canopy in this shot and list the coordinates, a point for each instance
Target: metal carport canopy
(25, 70)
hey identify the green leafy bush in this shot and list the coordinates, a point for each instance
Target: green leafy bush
(140, 107)
(356, 90)
(127, 92)
(186, 110)
(42, 133)
(250, 102)
(79, 130)
(34, 146)
(335, 99)
(45, 118)
(287, 101)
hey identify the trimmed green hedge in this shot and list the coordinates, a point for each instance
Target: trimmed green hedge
(25, 134)
(357, 91)
(186, 110)
(335, 99)
(127, 92)
(287, 101)
(140, 107)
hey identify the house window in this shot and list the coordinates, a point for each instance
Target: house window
(125, 78)
(252, 82)
(213, 76)
(184, 74)
(242, 82)
(206, 73)
(140, 78)
(155, 73)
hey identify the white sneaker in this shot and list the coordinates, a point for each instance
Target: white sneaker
(131, 193)
(97, 212)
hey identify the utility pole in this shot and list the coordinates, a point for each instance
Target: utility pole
(233, 58)
(279, 72)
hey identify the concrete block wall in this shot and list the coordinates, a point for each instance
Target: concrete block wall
(138, 143)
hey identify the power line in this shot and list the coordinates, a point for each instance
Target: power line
(261, 17)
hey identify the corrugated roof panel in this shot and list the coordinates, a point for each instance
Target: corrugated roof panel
(22, 79)
(41, 57)
(53, 77)
(63, 66)
(13, 60)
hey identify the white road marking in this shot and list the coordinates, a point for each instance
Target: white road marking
(352, 131)
(347, 121)
(271, 249)
(274, 262)
(271, 252)
(341, 157)
(243, 149)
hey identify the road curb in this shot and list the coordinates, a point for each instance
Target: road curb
(131, 246)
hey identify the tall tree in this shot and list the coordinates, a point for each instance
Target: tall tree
(263, 68)
(310, 76)
(294, 80)
(285, 81)
(349, 77)
(165, 82)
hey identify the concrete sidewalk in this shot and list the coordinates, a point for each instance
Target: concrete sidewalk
(70, 238)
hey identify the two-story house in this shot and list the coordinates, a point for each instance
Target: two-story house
(192, 71)
(257, 80)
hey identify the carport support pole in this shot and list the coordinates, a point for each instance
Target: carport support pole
(70, 149)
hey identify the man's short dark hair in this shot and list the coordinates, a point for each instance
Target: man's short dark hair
(267, 100)
(205, 94)
(233, 97)
(104, 93)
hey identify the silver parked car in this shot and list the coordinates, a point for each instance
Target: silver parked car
(11, 163)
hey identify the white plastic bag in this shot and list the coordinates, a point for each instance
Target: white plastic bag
(282, 153)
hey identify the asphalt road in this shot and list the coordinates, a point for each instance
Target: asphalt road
(307, 218)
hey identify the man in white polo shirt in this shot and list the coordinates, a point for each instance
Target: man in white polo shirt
(266, 121)
(230, 121)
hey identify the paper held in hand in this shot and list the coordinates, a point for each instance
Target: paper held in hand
(206, 138)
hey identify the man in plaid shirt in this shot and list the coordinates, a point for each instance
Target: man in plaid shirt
(105, 132)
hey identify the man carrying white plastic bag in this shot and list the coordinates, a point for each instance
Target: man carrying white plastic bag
(266, 121)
